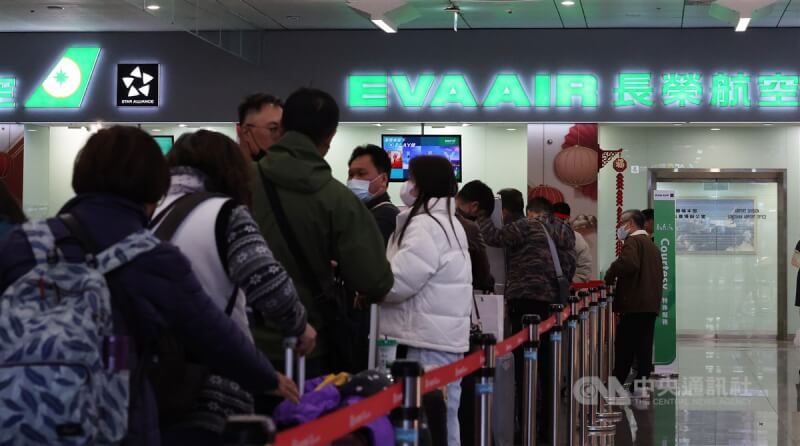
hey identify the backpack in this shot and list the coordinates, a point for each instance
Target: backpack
(63, 371)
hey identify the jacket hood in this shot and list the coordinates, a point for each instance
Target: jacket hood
(436, 206)
(295, 163)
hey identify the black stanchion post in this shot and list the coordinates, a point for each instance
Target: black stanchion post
(530, 354)
(572, 369)
(410, 374)
(555, 375)
(595, 424)
(484, 390)
(248, 430)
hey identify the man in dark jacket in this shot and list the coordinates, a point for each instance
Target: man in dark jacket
(329, 222)
(472, 197)
(638, 275)
(368, 177)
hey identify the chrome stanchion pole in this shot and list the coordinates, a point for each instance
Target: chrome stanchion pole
(410, 374)
(372, 353)
(530, 354)
(555, 375)
(248, 430)
(572, 370)
(484, 390)
(583, 330)
(595, 424)
(603, 410)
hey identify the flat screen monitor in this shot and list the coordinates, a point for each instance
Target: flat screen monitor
(165, 142)
(403, 148)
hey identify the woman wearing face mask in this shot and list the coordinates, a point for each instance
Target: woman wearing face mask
(428, 309)
(368, 178)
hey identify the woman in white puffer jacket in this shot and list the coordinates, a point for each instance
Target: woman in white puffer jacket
(428, 309)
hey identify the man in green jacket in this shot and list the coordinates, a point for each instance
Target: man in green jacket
(330, 224)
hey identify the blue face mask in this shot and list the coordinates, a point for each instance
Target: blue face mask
(622, 233)
(361, 189)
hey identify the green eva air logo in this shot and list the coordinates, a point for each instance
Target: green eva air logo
(66, 83)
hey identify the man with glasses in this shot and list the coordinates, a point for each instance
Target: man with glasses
(259, 124)
(638, 275)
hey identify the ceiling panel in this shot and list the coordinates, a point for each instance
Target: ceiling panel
(211, 15)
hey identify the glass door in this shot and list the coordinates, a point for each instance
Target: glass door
(726, 241)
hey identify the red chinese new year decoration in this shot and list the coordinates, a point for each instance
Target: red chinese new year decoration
(585, 135)
(552, 194)
(576, 166)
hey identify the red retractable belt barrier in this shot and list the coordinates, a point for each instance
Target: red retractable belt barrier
(587, 285)
(337, 424)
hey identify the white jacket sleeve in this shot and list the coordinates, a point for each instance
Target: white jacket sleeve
(413, 263)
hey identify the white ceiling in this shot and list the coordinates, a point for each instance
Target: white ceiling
(131, 15)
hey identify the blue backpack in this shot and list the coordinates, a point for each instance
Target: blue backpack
(63, 372)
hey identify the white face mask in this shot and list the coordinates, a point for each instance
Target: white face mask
(361, 189)
(622, 233)
(405, 193)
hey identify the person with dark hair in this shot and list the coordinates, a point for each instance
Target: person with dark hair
(205, 214)
(533, 282)
(368, 177)
(472, 197)
(10, 212)
(649, 221)
(318, 229)
(428, 309)
(638, 275)
(583, 254)
(512, 203)
(259, 125)
(119, 176)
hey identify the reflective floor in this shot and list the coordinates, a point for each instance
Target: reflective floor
(727, 393)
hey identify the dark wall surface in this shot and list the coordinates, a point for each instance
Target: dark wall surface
(201, 83)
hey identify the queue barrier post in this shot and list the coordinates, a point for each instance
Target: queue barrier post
(555, 374)
(410, 374)
(484, 389)
(248, 430)
(530, 354)
(583, 330)
(595, 424)
(607, 411)
(573, 359)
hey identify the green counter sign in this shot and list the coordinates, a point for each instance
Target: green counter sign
(66, 83)
(665, 333)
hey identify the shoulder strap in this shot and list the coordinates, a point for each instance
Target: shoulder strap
(41, 239)
(383, 204)
(553, 252)
(177, 213)
(288, 235)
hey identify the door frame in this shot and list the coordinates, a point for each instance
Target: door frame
(778, 176)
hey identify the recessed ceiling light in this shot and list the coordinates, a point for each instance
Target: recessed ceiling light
(677, 124)
(377, 124)
(153, 7)
(385, 25)
(511, 130)
(391, 130)
(181, 125)
(767, 123)
(714, 169)
(466, 124)
(742, 25)
(156, 130)
(568, 3)
(715, 129)
(32, 130)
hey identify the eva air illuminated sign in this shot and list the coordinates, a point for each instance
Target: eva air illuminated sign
(67, 81)
(680, 90)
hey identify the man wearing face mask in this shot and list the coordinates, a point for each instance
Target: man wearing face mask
(638, 275)
(259, 125)
(368, 178)
(473, 197)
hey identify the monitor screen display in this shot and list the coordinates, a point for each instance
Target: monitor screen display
(403, 148)
(165, 142)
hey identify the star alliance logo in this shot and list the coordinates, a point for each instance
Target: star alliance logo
(137, 85)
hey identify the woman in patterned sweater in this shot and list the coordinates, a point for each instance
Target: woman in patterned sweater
(232, 262)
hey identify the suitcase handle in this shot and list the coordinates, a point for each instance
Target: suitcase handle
(290, 358)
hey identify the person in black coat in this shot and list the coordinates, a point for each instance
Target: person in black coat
(368, 178)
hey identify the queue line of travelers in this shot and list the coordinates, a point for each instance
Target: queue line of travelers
(265, 244)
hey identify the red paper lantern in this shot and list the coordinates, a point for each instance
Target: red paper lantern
(576, 166)
(550, 193)
(5, 164)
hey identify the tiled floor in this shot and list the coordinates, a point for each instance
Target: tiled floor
(727, 393)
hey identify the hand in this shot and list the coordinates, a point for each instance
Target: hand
(287, 389)
(307, 341)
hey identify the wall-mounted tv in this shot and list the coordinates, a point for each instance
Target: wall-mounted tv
(403, 148)
(165, 142)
